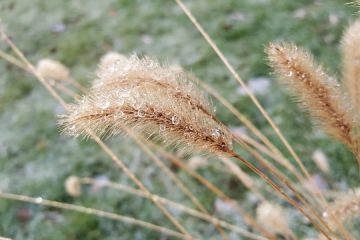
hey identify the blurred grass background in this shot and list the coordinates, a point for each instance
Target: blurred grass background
(35, 159)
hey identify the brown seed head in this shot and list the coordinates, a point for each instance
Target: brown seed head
(317, 92)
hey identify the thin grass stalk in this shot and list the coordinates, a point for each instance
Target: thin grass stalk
(264, 161)
(92, 211)
(172, 176)
(240, 138)
(128, 172)
(77, 85)
(243, 177)
(248, 91)
(252, 222)
(279, 175)
(211, 187)
(281, 193)
(190, 211)
(16, 62)
(169, 173)
(105, 148)
(163, 167)
(66, 90)
(243, 119)
(12, 60)
(317, 92)
(350, 65)
(144, 95)
(297, 194)
(214, 189)
(248, 219)
(242, 83)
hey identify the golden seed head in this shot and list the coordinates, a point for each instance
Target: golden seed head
(150, 98)
(317, 92)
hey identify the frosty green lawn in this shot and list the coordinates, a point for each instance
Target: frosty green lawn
(35, 159)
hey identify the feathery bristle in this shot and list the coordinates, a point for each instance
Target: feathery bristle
(51, 69)
(351, 65)
(317, 92)
(152, 99)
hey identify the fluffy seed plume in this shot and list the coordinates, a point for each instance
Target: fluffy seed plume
(53, 70)
(152, 99)
(272, 218)
(317, 92)
(351, 65)
(321, 161)
(73, 186)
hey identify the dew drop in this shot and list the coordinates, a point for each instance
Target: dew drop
(162, 128)
(216, 133)
(140, 113)
(38, 200)
(104, 104)
(119, 114)
(112, 68)
(230, 145)
(175, 120)
(120, 101)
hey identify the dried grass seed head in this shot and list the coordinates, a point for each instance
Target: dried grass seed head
(316, 91)
(150, 98)
(351, 65)
(51, 69)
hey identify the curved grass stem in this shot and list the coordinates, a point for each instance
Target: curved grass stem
(92, 211)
